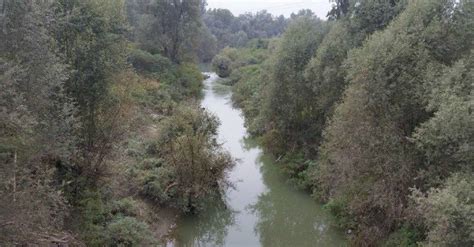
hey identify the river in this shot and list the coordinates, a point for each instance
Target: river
(262, 209)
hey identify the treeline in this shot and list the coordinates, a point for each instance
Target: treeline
(372, 112)
(222, 29)
(100, 128)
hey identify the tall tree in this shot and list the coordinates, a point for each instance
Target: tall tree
(91, 37)
(171, 28)
(287, 111)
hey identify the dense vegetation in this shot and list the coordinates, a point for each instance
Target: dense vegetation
(100, 127)
(372, 112)
(222, 29)
(101, 130)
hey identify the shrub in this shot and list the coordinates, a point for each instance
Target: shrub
(146, 62)
(125, 207)
(189, 79)
(189, 165)
(405, 236)
(222, 65)
(127, 231)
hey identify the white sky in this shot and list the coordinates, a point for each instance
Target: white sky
(276, 7)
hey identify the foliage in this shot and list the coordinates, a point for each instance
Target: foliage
(90, 35)
(112, 223)
(448, 211)
(338, 208)
(405, 236)
(362, 109)
(236, 31)
(362, 116)
(447, 138)
(207, 45)
(222, 66)
(127, 231)
(35, 126)
(191, 166)
(290, 120)
(67, 101)
(367, 156)
(169, 28)
(146, 62)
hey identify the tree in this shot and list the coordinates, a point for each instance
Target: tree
(207, 45)
(326, 72)
(235, 31)
(286, 110)
(36, 124)
(447, 137)
(339, 9)
(368, 159)
(91, 37)
(171, 28)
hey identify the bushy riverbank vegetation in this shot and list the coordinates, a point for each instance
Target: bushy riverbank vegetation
(372, 112)
(103, 141)
(101, 130)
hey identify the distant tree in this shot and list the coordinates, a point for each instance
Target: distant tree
(171, 28)
(301, 13)
(235, 31)
(339, 9)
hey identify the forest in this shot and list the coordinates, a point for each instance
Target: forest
(104, 142)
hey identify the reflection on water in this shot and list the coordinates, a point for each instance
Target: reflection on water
(207, 229)
(288, 217)
(262, 210)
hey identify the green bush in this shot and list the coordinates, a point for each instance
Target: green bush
(146, 62)
(222, 65)
(406, 236)
(188, 166)
(339, 209)
(189, 80)
(125, 207)
(127, 231)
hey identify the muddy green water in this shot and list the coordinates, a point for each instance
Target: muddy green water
(262, 209)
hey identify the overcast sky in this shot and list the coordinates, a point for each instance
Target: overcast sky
(276, 7)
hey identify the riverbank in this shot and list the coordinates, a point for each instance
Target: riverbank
(160, 219)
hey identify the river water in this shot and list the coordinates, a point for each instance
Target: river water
(262, 209)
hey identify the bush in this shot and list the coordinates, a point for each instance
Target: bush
(127, 231)
(146, 62)
(339, 209)
(407, 236)
(125, 207)
(189, 80)
(222, 65)
(188, 165)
